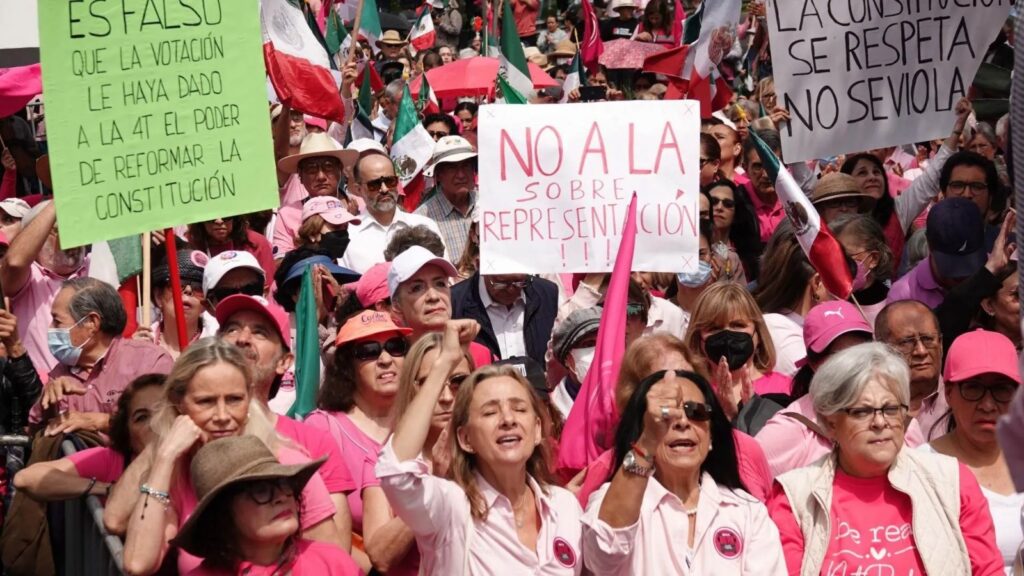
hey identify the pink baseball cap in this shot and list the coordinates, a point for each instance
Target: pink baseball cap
(314, 121)
(372, 286)
(330, 209)
(981, 352)
(830, 320)
(232, 305)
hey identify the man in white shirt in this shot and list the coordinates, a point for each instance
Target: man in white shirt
(374, 179)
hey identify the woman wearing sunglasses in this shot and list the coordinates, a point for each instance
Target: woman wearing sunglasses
(198, 324)
(390, 544)
(248, 516)
(981, 377)
(734, 225)
(226, 234)
(357, 398)
(873, 505)
(675, 498)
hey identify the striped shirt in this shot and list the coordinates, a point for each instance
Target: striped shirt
(453, 224)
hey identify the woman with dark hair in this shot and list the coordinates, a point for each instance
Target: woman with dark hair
(863, 240)
(223, 234)
(735, 225)
(667, 477)
(198, 322)
(499, 512)
(93, 471)
(896, 215)
(357, 399)
(248, 517)
(656, 25)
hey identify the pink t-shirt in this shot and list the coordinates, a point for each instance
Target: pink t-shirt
(32, 307)
(286, 225)
(101, 463)
(312, 558)
(317, 444)
(359, 452)
(872, 528)
(773, 383)
(316, 502)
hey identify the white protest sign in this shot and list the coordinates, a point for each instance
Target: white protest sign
(556, 181)
(863, 74)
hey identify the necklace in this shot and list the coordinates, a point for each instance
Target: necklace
(520, 518)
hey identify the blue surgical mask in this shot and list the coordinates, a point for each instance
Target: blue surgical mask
(695, 279)
(59, 342)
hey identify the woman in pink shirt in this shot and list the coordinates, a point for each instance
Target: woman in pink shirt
(390, 544)
(728, 332)
(499, 514)
(247, 518)
(674, 505)
(874, 506)
(207, 396)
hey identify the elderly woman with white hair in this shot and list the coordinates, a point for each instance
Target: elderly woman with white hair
(873, 506)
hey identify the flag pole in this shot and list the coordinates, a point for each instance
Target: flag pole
(147, 266)
(861, 310)
(179, 308)
(355, 32)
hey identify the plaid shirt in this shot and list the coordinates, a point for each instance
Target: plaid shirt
(454, 226)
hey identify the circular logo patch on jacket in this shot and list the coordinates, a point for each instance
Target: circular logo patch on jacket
(564, 553)
(728, 543)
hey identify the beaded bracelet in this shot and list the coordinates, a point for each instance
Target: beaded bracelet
(161, 497)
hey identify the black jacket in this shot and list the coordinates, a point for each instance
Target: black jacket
(541, 308)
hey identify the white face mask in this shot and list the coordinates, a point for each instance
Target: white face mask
(582, 357)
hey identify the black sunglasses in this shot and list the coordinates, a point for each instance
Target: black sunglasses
(251, 289)
(374, 185)
(263, 492)
(730, 204)
(697, 411)
(396, 347)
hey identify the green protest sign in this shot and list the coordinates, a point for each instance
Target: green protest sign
(156, 114)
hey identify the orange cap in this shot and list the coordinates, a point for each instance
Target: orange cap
(368, 323)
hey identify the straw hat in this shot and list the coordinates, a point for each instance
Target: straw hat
(318, 144)
(227, 461)
(613, 8)
(564, 49)
(835, 186)
(449, 149)
(391, 38)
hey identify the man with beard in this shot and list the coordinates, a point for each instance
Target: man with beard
(375, 180)
(261, 331)
(289, 130)
(32, 273)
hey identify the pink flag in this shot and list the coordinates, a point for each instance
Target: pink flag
(18, 85)
(590, 428)
(591, 47)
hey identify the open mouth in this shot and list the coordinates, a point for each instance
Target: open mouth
(509, 440)
(682, 445)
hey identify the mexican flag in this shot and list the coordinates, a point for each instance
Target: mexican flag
(509, 95)
(412, 146)
(307, 350)
(336, 37)
(513, 59)
(822, 249)
(369, 25)
(297, 63)
(361, 126)
(574, 79)
(426, 101)
(422, 35)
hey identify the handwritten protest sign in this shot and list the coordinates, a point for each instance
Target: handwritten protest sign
(156, 114)
(556, 180)
(863, 74)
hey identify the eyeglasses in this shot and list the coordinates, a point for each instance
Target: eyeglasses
(974, 391)
(437, 135)
(396, 347)
(697, 411)
(374, 185)
(704, 161)
(312, 167)
(959, 187)
(891, 412)
(853, 203)
(251, 289)
(263, 491)
(908, 345)
(728, 204)
(190, 289)
(518, 284)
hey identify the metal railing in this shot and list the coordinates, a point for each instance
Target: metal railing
(88, 549)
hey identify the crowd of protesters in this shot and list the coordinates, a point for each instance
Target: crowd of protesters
(763, 425)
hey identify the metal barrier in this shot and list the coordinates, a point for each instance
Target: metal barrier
(88, 549)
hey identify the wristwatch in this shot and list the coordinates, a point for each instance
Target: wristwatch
(635, 464)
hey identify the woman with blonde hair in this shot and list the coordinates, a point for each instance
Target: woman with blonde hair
(389, 543)
(499, 508)
(208, 395)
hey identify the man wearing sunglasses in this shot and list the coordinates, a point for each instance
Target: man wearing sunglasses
(261, 331)
(516, 312)
(229, 273)
(375, 180)
(452, 202)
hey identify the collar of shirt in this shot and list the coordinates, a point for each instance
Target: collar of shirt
(924, 278)
(488, 302)
(83, 374)
(366, 220)
(446, 207)
(759, 205)
(711, 497)
(491, 497)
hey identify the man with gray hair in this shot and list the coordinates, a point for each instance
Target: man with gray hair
(389, 102)
(95, 363)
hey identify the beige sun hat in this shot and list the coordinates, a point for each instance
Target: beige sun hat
(391, 37)
(317, 144)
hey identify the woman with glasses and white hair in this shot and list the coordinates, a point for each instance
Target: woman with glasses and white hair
(873, 506)
(675, 502)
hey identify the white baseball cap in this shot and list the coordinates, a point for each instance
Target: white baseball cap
(408, 263)
(363, 145)
(15, 207)
(225, 262)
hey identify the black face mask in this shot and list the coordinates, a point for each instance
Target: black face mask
(334, 243)
(737, 347)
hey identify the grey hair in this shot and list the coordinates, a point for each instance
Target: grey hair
(840, 381)
(394, 90)
(92, 296)
(1003, 126)
(917, 248)
(985, 130)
